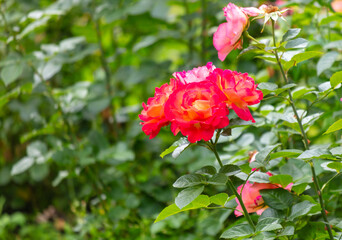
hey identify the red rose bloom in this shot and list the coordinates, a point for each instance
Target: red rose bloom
(239, 89)
(196, 110)
(152, 115)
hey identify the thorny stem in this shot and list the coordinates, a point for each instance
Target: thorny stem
(306, 142)
(230, 184)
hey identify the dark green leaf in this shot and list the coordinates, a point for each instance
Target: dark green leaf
(268, 224)
(218, 179)
(11, 73)
(297, 43)
(189, 180)
(288, 231)
(336, 151)
(241, 230)
(290, 34)
(277, 198)
(267, 87)
(300, 209)
(259, 177)
(230, 170)
(316, 153)
(207, 170)
(187, 195)
(286, 153)
(326, 61)
(264, 154)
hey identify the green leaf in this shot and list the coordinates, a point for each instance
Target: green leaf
(200, 202)
(336, 44)
(259, 177)
(187, 195)
(336, 79)
(335, 165)
(297, 43)
(230, 170)
(241, 230)
(176, 148)
(288, 231)
(21, 166)
(299, 188)
(300, 57)
(335, 127)
(268, 224)
(219, 199)
(300, 91)
(288, 153)
(336, 151)
(189, 180)
(32, 26)
(300, 209)
(38, 172)
(218, 179)
(331, 18)
(267, 87)
(326, 61)
(315, 153)
(60, 177)
(207, 170)
(282, 179)
(284, 88)
(264, 154)
(290, 34)
(278, 198)
(11, 73)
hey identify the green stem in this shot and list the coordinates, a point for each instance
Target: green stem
(305, 140)
(189, 28)
(106, 69)
(204, 30)
(250, 37)
(233, 189)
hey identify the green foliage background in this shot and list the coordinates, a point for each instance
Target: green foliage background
(74, 162)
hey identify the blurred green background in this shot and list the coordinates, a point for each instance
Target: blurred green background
(74, 163)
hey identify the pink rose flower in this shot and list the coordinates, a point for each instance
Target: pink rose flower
(228, 34)
(252, 198)
(240, 91)
(195, 75)
(153, 115)
(337, 5)
(196, 110)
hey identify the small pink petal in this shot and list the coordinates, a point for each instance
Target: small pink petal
(251, 11)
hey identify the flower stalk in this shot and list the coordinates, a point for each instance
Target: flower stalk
(305, 139)
(231, 186)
